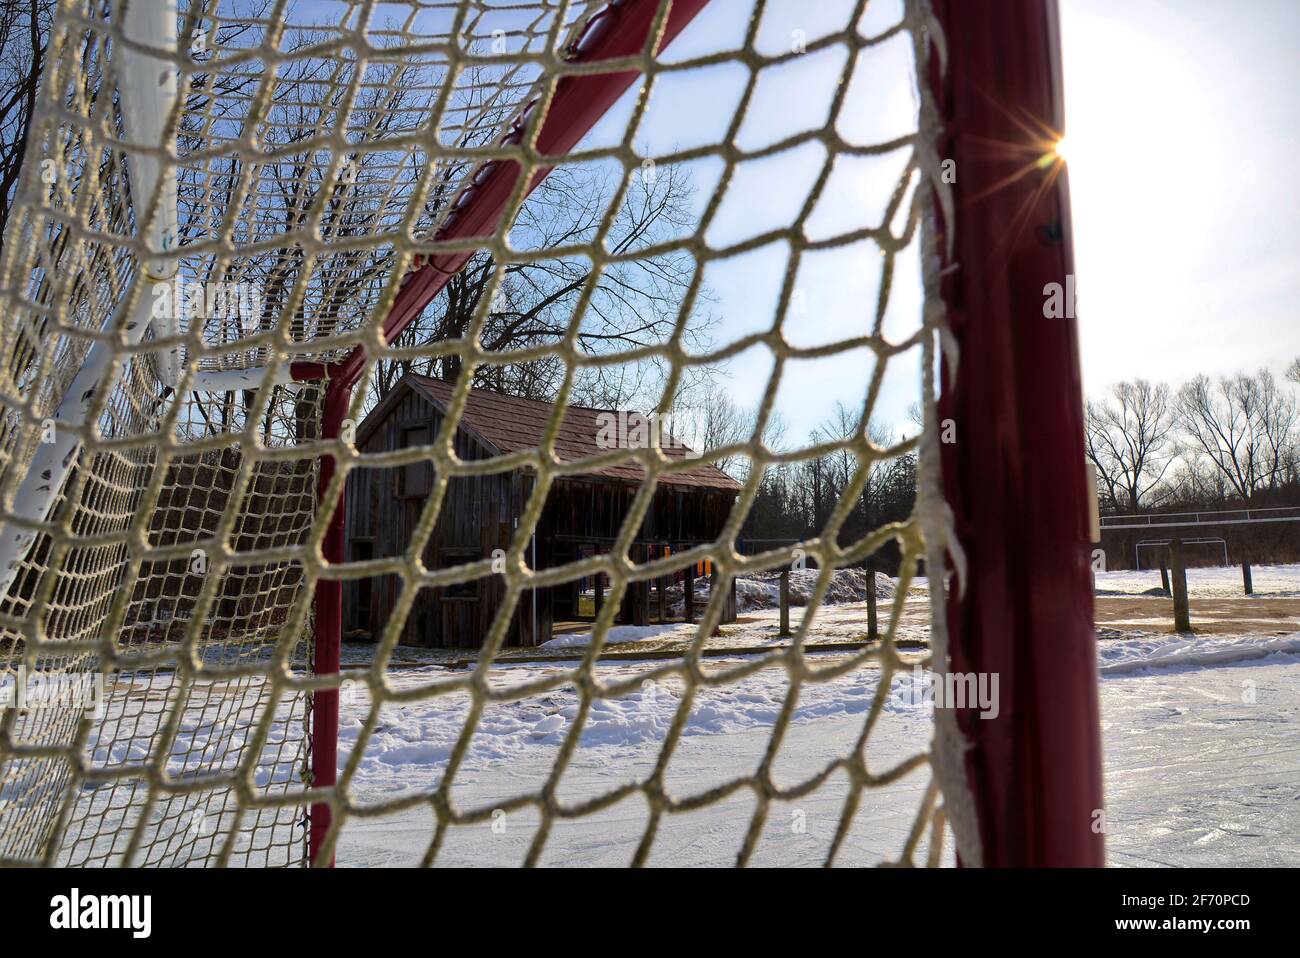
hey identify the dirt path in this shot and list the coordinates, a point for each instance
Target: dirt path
(843, 626)
(1209, 616)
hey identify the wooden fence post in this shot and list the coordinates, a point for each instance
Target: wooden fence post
(640, 589)
(785, 602)
(713, 596)
(1182, 614)
(873, 632)
(1247, 581)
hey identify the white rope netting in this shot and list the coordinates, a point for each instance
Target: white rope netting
(318, 150)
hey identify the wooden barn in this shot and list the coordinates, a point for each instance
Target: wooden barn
(582, 517)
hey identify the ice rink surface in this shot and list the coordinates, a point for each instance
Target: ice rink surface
(1201, 739)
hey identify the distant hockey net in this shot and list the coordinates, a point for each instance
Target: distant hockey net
(306, 195)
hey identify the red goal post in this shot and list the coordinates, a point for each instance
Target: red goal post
(1015, 477)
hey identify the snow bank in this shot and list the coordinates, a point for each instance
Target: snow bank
(1189, 652)
(620, 635)
(762, 590)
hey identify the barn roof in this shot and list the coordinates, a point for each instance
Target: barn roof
(509, 424)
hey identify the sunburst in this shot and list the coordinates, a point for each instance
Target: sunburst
(1039, 150)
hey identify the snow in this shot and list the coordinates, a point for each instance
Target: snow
(708, 837)
(1202, 765)
(762, 590)
(621, 635)
(1161, 652)
(1269, 581)
(424, 733)
(726, 734)
(1198, 771)
(1199, 740)
(1199, 733)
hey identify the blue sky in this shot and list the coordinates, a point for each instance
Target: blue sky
(1183, 125)
(1184, 128)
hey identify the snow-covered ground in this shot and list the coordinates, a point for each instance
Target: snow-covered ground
(1201, 737)
(1202, 743)
(729, 728)
(728, 731)
(1269, 581)
(1203, 763)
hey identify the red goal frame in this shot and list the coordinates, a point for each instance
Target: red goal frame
(1015, 476)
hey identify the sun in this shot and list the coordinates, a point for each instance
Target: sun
(1062, 149)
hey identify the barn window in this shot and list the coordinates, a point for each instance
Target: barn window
(416, 479)
(449, 557)
(363, 550)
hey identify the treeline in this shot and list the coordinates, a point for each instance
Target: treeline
(1208, 444)
(796, 500)
(1204, 445)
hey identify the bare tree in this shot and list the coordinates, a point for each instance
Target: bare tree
(840, 466)
(916, 415)
(716, 422)
(24, 31)
(1244, 426)
(297, 185)
(1279, 416)
(722, 423)
(1195, 480)
(795, 500)
(634, 301)
(1129, 441)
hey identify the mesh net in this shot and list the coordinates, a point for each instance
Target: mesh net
(320, 152)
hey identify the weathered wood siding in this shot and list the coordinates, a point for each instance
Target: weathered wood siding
(477, 516)
(590, 509)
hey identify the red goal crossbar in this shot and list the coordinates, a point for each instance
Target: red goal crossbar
(1015, 476)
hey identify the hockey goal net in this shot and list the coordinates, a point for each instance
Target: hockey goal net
(235, 219)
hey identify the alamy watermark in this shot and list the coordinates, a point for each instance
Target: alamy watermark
(627, 429)
(37, 689)
(952, 690)
(189, 299)
(75, 911)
